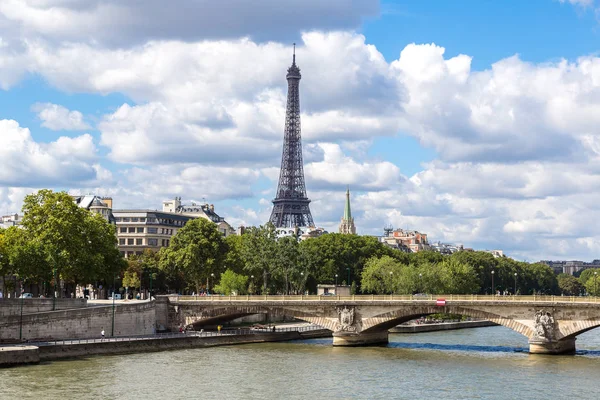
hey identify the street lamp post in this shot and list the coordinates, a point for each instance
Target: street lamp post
(112, 330)
(252, 282)
(55, 292)
(493, 287)
(595, 274)
(21, 319)
(302, 281)
(391, 282)
(515, 284)
(348, 269)
(420, 283)
(213, 279)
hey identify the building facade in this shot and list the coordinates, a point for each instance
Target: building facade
(139, 230)
(347, 224)
(409, 241)
(194, 210)
(97, 205)
(6, 221)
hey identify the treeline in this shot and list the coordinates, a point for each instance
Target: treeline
(60, 241)
(256, 262)
(585, 283)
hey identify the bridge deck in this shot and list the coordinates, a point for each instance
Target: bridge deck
(392, 298)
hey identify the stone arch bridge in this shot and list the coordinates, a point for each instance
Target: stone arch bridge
(551, 323)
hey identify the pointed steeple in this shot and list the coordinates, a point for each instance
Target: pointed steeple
(347, 223)
(347, 212)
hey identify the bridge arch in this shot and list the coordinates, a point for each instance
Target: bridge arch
(571, 330)
(388, 320)
(215, 315)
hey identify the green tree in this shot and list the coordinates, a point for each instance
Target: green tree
(385, 275)
(288, 256)
(587, 274)
(335, 253)
(259, 252)
(79, 244)
(196, 251)
(592, 284)
(457, 277)
(569, 285)
(232, 284)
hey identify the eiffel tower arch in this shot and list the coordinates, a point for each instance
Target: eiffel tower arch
(291, 205)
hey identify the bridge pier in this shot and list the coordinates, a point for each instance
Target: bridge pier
(564, 346)
(360, 339)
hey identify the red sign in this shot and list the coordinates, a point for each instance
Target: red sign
(440, 302)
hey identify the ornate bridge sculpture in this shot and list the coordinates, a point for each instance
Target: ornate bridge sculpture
(550, 323)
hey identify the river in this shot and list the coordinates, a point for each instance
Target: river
(479, 363)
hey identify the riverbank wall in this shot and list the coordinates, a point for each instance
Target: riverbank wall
(129, 319)
(442, 326)
(19, 355)
(28, 306)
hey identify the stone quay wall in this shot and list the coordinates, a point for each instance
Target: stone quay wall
(19, 355)
(443, 326)
(129, 319)
(13, 306)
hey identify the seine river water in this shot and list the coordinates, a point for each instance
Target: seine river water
(480, 363)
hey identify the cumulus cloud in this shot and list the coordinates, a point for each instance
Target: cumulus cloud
(133, 22)
(59, 118)
(27, 163)
(518, 148)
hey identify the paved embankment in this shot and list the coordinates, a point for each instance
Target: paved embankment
(442, 326)
(18, 355)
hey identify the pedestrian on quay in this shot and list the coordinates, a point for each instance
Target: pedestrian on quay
(102, 333)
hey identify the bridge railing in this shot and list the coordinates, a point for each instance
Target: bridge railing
(391, 297)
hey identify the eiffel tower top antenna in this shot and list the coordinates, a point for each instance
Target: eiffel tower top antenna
(294, 59)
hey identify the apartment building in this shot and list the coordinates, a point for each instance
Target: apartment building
(138, 230)
(194, 210)
(408, 241)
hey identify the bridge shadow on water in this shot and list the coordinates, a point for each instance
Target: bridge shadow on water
(448, 347)
(458, 347)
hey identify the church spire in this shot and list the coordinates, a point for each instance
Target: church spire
(347, 213)
(347, 223)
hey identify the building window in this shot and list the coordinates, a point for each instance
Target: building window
(130, 242)
(125, 219)
(151, 219)
(152, 242)
(123, 230)
(134, 220)
(152, 230)
(142, 219)
(117, 219)
(131, 230)
(121, 242)
(138, 242)
(140, 230)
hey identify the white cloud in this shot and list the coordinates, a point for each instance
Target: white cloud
(59, 118)
(518, 144)
(26, 163)
(122, 23)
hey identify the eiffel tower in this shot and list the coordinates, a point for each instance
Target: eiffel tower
(290, 206)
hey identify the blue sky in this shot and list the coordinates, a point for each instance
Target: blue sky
(473, 121)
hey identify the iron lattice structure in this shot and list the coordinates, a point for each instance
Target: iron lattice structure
(290, 206)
